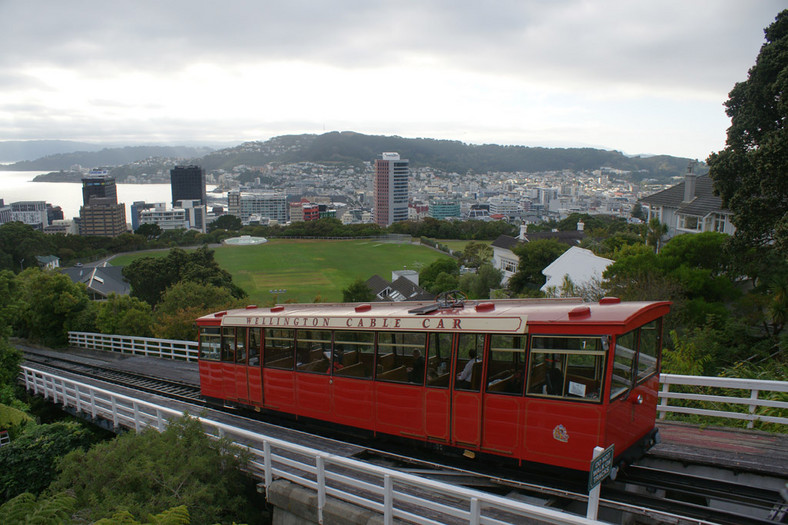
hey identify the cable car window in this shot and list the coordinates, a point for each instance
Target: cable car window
(228, 344)
(623, 361)
(399, 354)
(278, 350)
(470, 349)
(313, 351)
(357, 350)
(439, 360)
(255, 338)
(240, 346)
(210, 343)
(505, 364)
(650, 345)
(567, 367)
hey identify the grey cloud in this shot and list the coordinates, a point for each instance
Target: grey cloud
(654, 42)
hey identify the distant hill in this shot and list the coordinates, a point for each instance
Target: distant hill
(448, 155)
(106, 157)
(20, 150)
(355, 148)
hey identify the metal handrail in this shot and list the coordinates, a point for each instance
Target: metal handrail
(396, 495)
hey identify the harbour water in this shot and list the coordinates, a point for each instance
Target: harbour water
(19, 186)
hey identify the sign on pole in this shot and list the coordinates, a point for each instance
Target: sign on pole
(601, 464)
(600, 467)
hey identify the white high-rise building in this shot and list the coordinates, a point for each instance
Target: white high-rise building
(391, 189)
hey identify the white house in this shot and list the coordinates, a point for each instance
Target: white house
(690, 207)
(581, 266)
(507, 261)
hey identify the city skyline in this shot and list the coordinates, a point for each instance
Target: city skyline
(644, 77)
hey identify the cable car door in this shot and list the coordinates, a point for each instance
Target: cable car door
(466, 391)
(254, 369)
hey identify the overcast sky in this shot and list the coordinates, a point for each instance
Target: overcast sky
(645, 76)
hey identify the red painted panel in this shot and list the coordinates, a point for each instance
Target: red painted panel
(255, 381)
(353, 402)
(312, 395)
(279, 390)
(400, 409)
(502, 429)
(229, 380)
(466, 419)
(628, 420)
(241, 383)
(437, 407)
(562, 433)
(210, 379)
(646, 413)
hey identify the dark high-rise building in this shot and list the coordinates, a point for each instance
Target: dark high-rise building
(188, 183)
(100, 214)
(98, 184)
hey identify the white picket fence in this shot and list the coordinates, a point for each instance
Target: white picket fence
(747, 393)
(393, 494)
(127, 344)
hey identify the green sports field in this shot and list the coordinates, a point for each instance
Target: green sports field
(309, 268)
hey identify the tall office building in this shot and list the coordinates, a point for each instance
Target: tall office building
(391, 189)
(100, 213)
(188, 184)
(98, 184)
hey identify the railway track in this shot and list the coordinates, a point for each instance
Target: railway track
(150, 384)
(659, 496)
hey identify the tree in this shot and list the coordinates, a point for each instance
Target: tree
(475, 254)
(637, 212)
(478, 285)
(431, 272)
(149, 277)
(534, 257)
(751, 172)
(25, 508)
(29, 460)
(19, 245)
(124, 315)
(654, 233)
(225, 222)
(148, 472)
(184, 302)
(443, 282)
(192, 294)
(358, 292)
(51, 306)
(149, 231)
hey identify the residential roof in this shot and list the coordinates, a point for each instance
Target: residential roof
(101, 280)
(377, 284)
(572, 238)
(402, 289)
(411, 290)
(505, 241)
(705, 201)
(46, 259)
(582, 266)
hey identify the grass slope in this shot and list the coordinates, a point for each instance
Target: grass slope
(308, 269)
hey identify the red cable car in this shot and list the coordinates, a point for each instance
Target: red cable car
(542, 380)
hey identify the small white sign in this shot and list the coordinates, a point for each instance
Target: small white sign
(577, 389)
